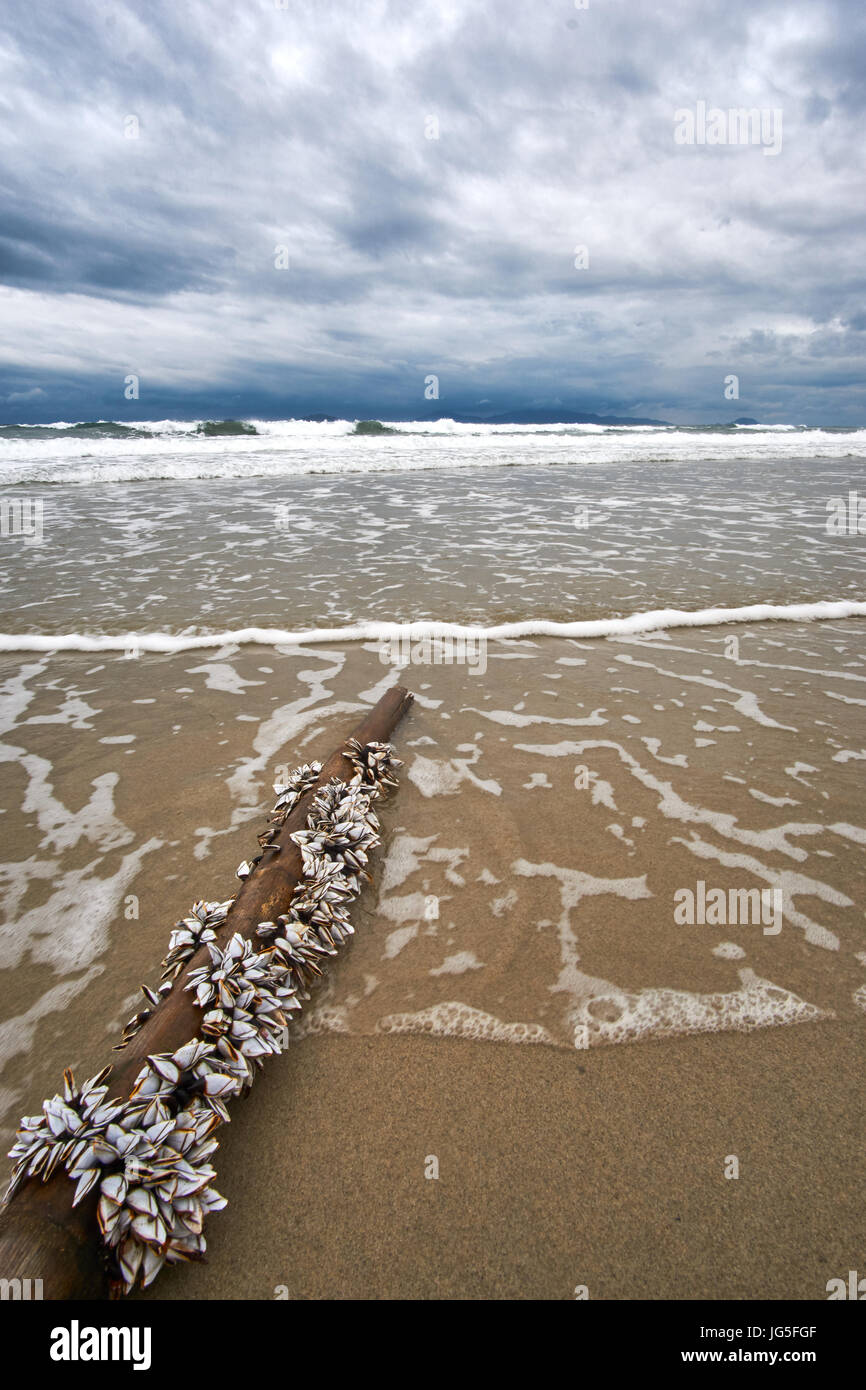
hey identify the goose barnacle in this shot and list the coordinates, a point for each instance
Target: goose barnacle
(374, 765)
(192, 932)
(67, 1125)
(150, 1154)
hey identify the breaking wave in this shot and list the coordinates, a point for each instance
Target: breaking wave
(107, 451)
(653, 621)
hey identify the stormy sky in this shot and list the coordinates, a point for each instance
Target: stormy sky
(429, 171)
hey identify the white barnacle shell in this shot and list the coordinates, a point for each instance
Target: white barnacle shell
(149, 1157)
(68, 1131)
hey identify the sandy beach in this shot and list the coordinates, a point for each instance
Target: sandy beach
(518, 1003)
(480, 387)
(604, 1170)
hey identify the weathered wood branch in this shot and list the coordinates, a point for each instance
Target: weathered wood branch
(42, 1236)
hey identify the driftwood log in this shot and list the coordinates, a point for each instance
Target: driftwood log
(42, 1236)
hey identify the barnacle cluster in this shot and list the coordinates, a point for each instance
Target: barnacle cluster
(246, 995)
(374, 764)
(299, 782)
(192, 932)
(187, 936)
(199, 928)
(154, 1198)
(341, 828)
(154, 1210)
(70, 1125)
(150, 1154)
(152, 997)
(288, 794)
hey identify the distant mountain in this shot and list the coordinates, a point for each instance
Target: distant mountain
(726, 424)
(554, 417)
(539, 416)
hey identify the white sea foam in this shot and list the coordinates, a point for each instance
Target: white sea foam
(18, 1034)
(168, 449)
(458, 964)
(662, 1013)
(456, 1020)
(433, 777)
(652, 621)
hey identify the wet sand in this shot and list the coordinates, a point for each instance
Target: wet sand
(604, 1170)
(598, 1164)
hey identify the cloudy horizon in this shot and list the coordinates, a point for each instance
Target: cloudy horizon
(252, 210)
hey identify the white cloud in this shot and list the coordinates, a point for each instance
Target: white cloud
(306, 127)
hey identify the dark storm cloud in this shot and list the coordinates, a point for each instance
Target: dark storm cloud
(430, 172)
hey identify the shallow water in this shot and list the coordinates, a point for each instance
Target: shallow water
(483, 546)
(556, 796)
(549, 810)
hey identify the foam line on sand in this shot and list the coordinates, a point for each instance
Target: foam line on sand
(653, 621)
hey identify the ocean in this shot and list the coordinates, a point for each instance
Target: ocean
(145, 450)
(657, 708)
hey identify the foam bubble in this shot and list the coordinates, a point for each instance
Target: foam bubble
(324, 1018)
(665, 1013)
(458, 964)
(728, 950)
(456, 1020)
